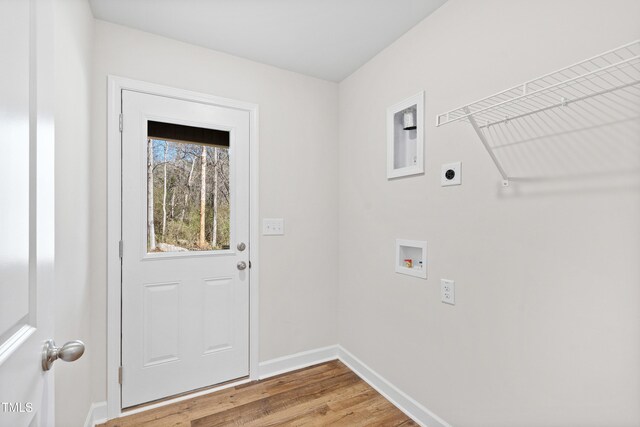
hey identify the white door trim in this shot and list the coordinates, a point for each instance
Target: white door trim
(114, 224)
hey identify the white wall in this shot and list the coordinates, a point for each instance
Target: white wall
(72, 55)
(545, 330)
(298, 181)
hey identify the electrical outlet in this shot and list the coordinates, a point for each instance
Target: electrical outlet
(451, 174)
(272, 226)
(448, 291)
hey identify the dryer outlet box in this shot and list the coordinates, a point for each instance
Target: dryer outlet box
(451, 174)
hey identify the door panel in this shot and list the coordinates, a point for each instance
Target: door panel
(14, 128)
(26, 212)
(161, 318)
(185, 207)
(217, 313)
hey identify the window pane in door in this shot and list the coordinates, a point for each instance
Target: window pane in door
(188, 191)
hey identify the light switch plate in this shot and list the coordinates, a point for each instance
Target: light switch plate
(451, 174)
(273, 226)
(448, 291)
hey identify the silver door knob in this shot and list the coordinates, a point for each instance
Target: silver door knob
(242, 265)
(69, 352)
(241, 246)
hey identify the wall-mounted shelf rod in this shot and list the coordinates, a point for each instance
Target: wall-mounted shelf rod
(607, 86)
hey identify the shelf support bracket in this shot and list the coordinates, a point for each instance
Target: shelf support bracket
(472, 120)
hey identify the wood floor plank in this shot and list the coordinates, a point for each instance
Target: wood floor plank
(321, 395)
(318, 406)
(354, 412)
(234, 396)
(408, 422)
(277, 402)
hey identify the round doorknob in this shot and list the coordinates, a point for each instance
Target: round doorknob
(241, 246)
(69, 352)
(242, 265)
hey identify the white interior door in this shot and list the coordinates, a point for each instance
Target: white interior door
(185, 241)
(26, 212)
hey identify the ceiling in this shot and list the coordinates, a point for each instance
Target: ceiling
(328, 39)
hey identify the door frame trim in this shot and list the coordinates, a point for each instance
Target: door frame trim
(115, 85)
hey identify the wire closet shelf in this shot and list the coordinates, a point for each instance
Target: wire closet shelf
(606, 87)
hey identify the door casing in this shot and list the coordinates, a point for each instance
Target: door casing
(114, 225)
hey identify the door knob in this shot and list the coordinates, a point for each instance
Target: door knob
(69, 352)
(241, 246)
(242, 265)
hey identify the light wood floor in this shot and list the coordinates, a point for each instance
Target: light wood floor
(321, 395)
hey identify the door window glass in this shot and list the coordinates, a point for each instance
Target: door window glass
(188, 191)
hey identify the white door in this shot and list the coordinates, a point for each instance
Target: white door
(185, 231)
(26, 212)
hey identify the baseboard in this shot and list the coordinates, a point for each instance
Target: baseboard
(401, 400)
(295, 361)
(97, 414)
